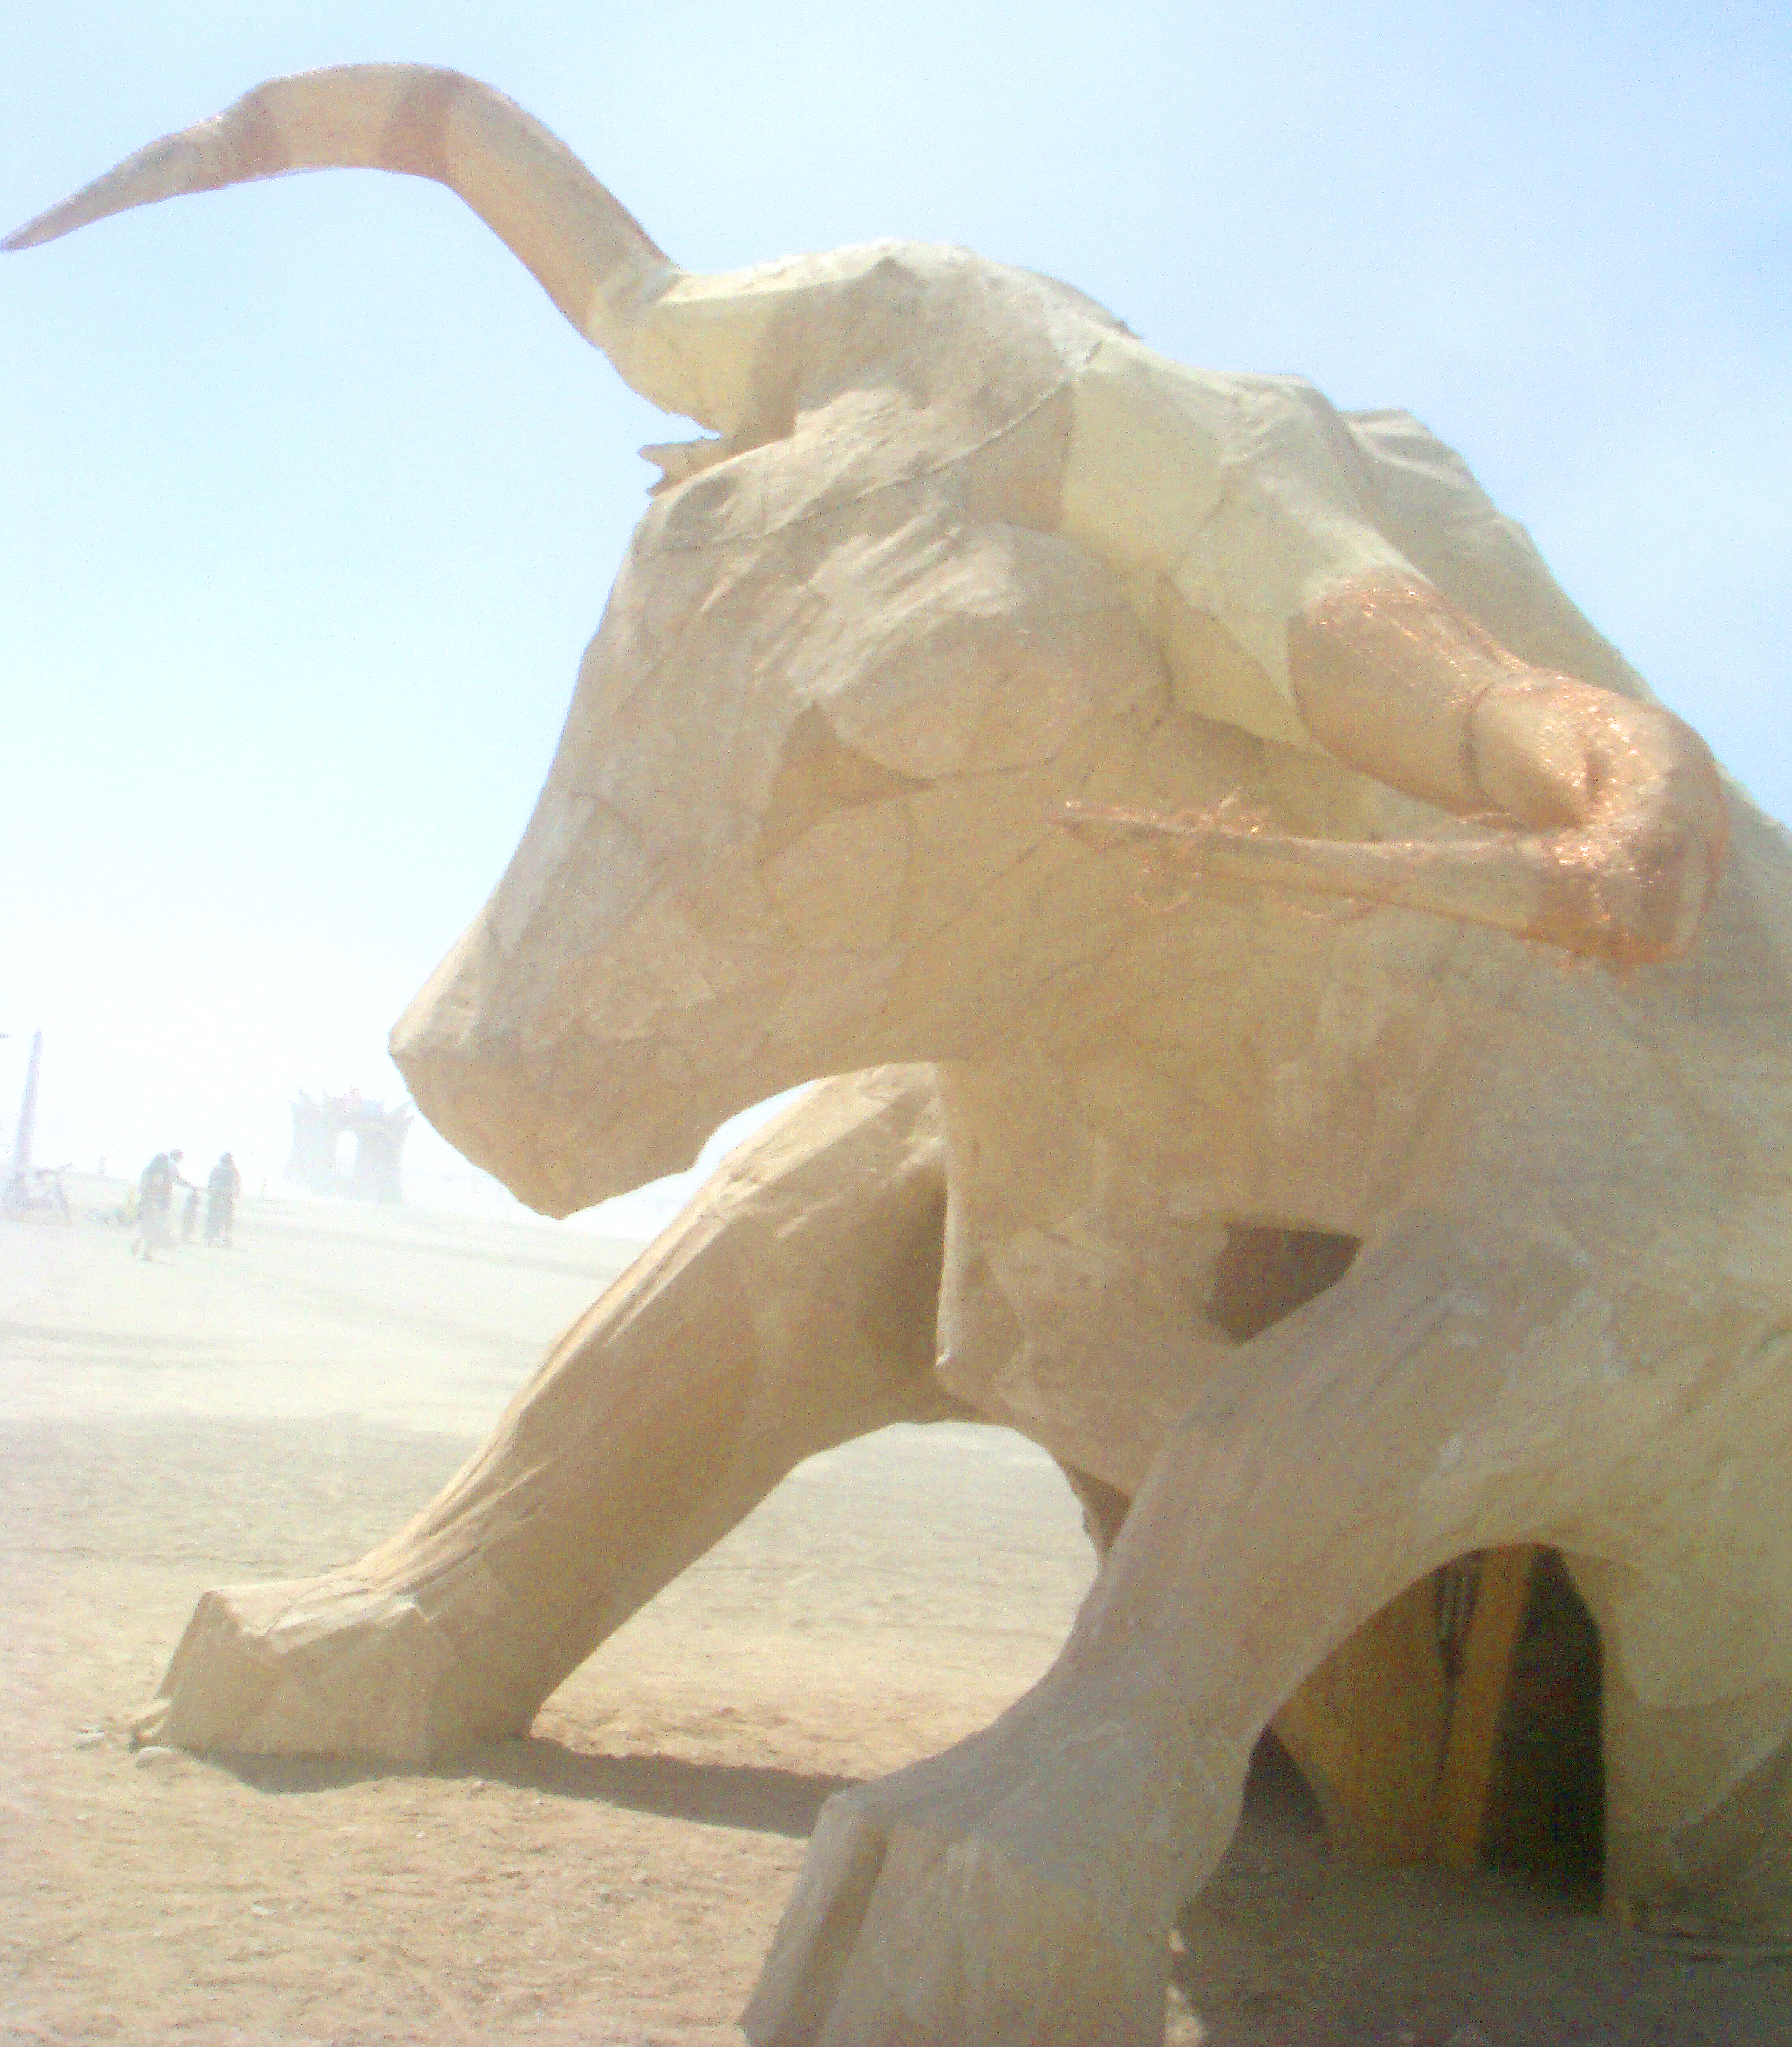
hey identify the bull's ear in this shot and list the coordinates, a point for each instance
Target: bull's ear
(678, 461)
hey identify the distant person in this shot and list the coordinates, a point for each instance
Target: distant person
(155, 1204)
(221, 1191)
(190, 1215)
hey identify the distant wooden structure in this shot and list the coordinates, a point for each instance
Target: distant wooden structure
(371, 1173)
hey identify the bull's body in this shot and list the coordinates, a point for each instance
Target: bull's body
(965, 555)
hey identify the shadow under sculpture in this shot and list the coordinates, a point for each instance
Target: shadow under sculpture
(974, 620)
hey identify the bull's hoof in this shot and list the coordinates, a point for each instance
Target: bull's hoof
(919, 1934)
(1017, 1891)
(1718, 1886)
(318, 1667)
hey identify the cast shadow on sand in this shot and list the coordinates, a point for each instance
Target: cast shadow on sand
(756, 1798)
(1274, 1950)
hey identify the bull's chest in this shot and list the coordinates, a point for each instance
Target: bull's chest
(1115, 1231)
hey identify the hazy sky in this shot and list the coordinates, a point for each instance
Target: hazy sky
(311, 498)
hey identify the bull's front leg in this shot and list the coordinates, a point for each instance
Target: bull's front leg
(1021, 1888)
(792, 1306)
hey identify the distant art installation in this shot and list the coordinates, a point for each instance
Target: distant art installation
(1407, 1198)
(369, 1171)
(24, 1131)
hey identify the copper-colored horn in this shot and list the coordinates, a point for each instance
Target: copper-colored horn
(594, 260)
(1611, 823)
(1615, 823)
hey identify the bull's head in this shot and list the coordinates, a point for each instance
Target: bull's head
(945, 567)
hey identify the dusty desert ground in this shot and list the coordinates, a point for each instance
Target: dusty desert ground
(222, 1416)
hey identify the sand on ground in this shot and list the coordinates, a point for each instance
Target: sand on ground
(222, 1416)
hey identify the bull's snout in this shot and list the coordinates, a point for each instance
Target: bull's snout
(565, 1116)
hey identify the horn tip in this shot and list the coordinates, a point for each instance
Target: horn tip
(73, 212)
(42, 229)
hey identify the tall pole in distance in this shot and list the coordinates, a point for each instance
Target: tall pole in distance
(27, 1109)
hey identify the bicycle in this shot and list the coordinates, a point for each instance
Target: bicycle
(35, 1188)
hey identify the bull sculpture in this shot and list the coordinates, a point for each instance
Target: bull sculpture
(1476, 995)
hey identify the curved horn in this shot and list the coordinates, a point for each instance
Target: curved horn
(1609, 824)
(590, 255)
(1615, 818)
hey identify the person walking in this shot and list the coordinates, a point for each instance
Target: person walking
(222, 1188)
(155, 1204)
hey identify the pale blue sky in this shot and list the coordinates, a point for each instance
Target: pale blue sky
(312, 499)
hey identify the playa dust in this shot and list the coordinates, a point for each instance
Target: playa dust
(225, 1416)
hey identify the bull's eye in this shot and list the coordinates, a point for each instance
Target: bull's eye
(678, 461)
